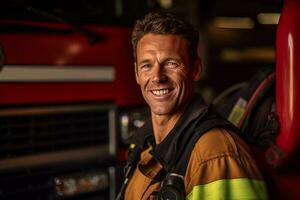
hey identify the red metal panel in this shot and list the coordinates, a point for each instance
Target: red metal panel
(40, 93)
(288, 77)
(65, 46)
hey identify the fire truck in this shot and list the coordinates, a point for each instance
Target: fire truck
(67, 98)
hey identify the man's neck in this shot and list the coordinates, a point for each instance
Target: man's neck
(162, 125)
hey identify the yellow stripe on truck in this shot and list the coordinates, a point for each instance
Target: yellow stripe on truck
(241, 188)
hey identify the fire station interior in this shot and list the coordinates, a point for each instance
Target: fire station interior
(69, 101)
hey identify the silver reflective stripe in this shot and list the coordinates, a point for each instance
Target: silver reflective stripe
(48, 73)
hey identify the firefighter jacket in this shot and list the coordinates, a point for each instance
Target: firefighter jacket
(220, 165)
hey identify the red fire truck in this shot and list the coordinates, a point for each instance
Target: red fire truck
(64, 95)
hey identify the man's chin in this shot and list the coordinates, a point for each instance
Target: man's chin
(161, 108)
(160, 111)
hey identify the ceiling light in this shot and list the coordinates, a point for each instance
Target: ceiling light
(255, 54)
(268, 18)
(234, 22)
(166, 3)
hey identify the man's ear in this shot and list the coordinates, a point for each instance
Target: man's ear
(136, 73)
(197, 69)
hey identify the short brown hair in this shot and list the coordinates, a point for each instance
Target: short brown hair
(158, 23)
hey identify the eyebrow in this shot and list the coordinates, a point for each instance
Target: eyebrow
(163, 61)
(143, 62)
(171, 59)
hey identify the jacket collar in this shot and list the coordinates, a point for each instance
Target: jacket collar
(166, 152)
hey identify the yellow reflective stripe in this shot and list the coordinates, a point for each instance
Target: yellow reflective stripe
(241, 188)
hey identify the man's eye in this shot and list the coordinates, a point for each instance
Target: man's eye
(171, 64)
(145, 66)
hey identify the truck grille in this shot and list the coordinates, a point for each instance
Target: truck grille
(28, 131)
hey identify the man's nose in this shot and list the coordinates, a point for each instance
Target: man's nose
(158, 73)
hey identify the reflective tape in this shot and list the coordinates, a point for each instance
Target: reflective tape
(242, 188)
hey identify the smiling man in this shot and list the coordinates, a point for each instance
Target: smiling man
(188, 151)
(165, 78)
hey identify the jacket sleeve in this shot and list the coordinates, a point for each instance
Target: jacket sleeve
(221, 167)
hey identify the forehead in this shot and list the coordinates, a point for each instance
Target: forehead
(157, 43)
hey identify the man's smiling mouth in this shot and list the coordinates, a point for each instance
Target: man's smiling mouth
(160, 92)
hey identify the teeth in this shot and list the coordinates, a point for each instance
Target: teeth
(160, 92)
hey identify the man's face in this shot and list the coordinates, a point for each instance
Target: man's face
(164, 72)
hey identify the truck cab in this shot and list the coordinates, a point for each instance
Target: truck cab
(68, 98)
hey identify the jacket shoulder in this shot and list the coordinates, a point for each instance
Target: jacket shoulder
(220, 159)
(219, 142)
(220, 154)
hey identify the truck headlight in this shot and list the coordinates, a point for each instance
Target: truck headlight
(75, 184)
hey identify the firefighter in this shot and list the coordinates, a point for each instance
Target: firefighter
(187, 150)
